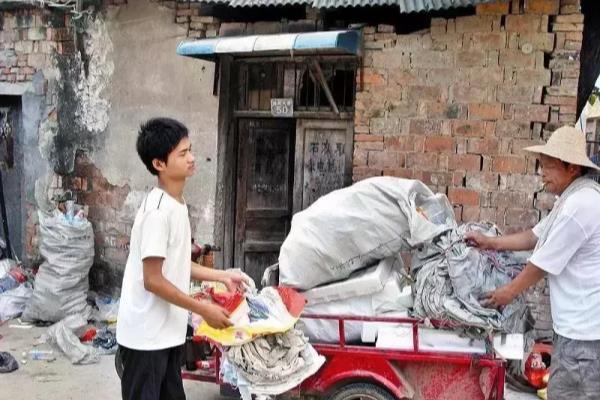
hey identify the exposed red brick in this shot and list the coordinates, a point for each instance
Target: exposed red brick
(422, 161)
(439, 144)
(463, 196)
(523, 23)
(398, 172)
(509, 164)
(399, 143)
(548, 7)
(469, 128)
(485, 111)
(368, 145)
(499, 8)
(511, 199)
(368, 138)
(483, 146)
(464, 162)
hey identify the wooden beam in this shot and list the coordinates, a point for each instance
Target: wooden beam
(325, 87)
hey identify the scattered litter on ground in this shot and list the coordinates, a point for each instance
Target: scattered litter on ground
(108, 308)
(65, 335)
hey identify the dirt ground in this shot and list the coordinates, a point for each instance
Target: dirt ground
(60, 380)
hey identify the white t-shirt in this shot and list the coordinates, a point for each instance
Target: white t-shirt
(161, 229)
(571, 256)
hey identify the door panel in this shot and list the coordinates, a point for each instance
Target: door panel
(323, 159)
(264, 192)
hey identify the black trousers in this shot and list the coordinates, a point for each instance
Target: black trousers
(152, 374)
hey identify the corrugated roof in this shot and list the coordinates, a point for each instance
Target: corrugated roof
(406, 6)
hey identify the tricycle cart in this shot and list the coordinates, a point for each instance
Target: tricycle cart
(353, 372)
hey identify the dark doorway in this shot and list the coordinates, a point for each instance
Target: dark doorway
(11, 168)
(264, 192)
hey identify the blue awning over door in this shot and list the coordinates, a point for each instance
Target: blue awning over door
(326, 42)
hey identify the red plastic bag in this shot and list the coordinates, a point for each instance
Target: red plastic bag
(293, 300)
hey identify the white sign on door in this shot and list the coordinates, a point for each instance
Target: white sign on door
(282, 107)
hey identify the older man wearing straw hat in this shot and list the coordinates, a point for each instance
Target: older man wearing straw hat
(566, 248)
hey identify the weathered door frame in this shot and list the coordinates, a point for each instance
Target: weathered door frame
(225, 201)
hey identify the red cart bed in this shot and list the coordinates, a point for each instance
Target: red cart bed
(353, 372)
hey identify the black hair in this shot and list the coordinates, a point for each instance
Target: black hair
(157, 138)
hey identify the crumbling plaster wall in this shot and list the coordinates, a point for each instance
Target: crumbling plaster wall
(134, 73)
(94, 89)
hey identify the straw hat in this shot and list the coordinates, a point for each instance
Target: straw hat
(567, 144)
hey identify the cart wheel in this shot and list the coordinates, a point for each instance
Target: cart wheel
(361, 391)
(119, 363)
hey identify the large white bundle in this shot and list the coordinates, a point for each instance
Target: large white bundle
(354, 227)
(61, 284)
(393, 298)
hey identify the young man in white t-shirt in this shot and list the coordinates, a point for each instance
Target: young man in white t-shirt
(153, 312)
(566, 248)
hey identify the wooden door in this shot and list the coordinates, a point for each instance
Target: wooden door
(263, 193)
(323, 159)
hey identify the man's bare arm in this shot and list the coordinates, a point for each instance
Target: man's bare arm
(525, 240)
(155, 282)
(504, 295)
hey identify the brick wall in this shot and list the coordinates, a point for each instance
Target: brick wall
(104, 204)
(454, 105)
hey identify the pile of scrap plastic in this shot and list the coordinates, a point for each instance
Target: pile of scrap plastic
(344, 253)
(452, 277)
(262, 353)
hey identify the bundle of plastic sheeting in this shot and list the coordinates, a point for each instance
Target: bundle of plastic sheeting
(452, 277)
(64, 335)
(394, 297)
(352, 228)
(270, 365)
(61, 284)
(13, 302)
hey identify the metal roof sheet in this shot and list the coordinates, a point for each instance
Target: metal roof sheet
(406, 6)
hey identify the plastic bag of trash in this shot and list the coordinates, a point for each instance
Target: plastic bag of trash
(108, 308)
(7, 363)
(351, 228)
(6, 265)
(63, 334)
(12, 302)
(61, 284)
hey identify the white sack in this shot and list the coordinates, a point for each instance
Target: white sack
(354, 227)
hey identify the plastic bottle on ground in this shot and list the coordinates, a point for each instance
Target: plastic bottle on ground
(37, 354)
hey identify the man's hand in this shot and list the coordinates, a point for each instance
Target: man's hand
(478, 239)
(498, 298)
(215, 316)
(234, 281)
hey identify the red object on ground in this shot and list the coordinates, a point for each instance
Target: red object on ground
(293, 300)
(535, 367)
(89, 335)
